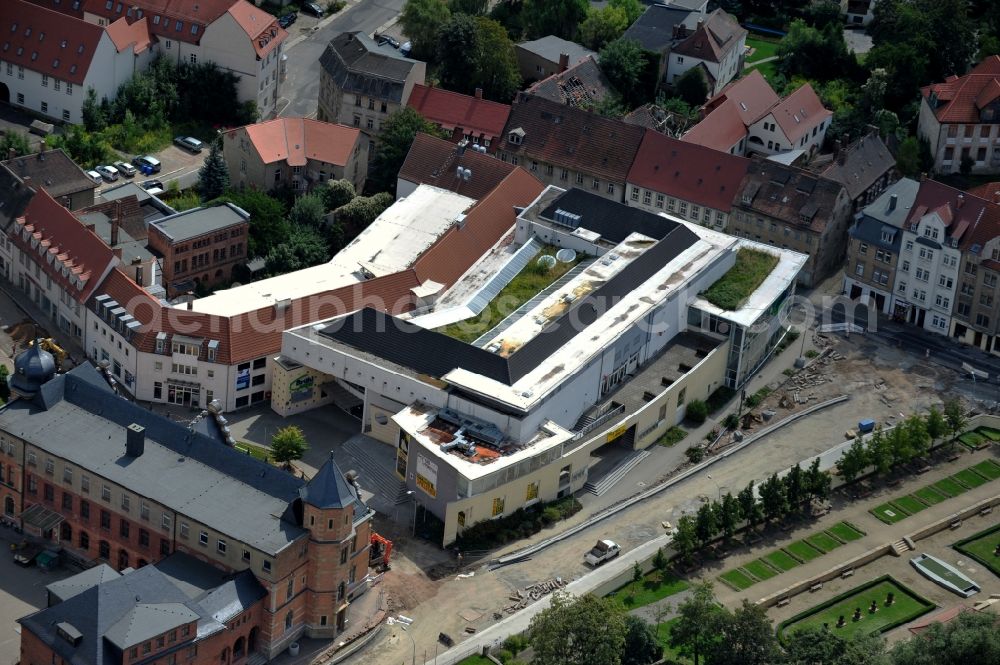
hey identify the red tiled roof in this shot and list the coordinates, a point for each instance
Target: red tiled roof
(967, 218)
(297, 140)
(260, 27)
(164, 14)
(135, 35)
(989, 191)
(485, 224)
(960, 98)
(79, 258)
(799, 112)
(47, 41)
(61, 7)
(720, 130)
(752, 95)
(713, 39)
(433, 161)
(688, 171)
(451, 109)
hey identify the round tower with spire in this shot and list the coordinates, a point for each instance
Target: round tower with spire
(32, 367)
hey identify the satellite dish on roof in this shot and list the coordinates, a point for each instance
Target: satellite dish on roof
(566, 255)
(546, 261)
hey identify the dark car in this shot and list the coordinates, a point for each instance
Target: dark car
(313, 8)
(153, 186)
(386, 39)
(287, 20)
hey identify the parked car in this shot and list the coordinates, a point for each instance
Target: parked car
(386, 39)
(125, 169)
(154, 187)
(189, 143)
(95, 176)
(109, 173)
(25, 553)
(603, 551)
(405, 49)
(147, 164)
(287, 19)
(313, 8)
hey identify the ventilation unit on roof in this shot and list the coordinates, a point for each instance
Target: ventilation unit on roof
(566, 218)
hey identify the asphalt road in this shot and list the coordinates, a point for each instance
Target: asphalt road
(300, 90)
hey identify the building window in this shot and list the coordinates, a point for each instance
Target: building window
(203, 538)
(123, 528)
(498, 506)
(105, 519)
(266, 565)
(126, 502)
(143, 538)
(184, 530)
(220, 546)
(105, 492)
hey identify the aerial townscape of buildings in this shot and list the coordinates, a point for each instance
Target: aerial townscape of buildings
(515, 302)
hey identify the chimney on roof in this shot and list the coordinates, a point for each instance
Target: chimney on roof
(961, 201)
(701, 23)
(65, 202)
(893, 200)
(461, 146)
(190, 301)
(563, 62)
(116, 220)
(138, 275)
(479, 93)
(135, 440)
(41, 149)
(996, 196)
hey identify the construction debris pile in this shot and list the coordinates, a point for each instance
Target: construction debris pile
(523, 598)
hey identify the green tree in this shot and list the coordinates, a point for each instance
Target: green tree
(971, 637)
(213, 176)
(661, 564)
(508, 14)
(552, 17)
(908, 159)
(268, 226)
(337, 193)
(625, 64)
(470, 7)
(691, 87)
(816, 54)
(14, 143)
(696, 411)
(94, 117)
(304, 247)
(746, 637)
(307, 211)
(685, 540)
(422, 21)
(823, 13)
(633, 8)
(899, 444)
(288, 444)
(456, 53)
(795, 489)
(579, 631)
(878, 452)
(641, 645)
(636, 575)
(695, 631)
(820, 646)
(917, 435)
(496, 70)
(772, 499)
(395, 140)
(729, 515)
(818, 482)
(357, 214)
(853, 461)
(602, 25)
(705, 524)
(749, 506)
(954, 415)
(965, 164)
(4, 385)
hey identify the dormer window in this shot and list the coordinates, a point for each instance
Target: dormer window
(179, 26)
(194, 29)
(516, 137)
(27, 31)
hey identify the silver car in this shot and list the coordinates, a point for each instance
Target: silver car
(109, 173)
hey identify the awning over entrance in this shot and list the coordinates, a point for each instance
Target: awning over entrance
(39, 520)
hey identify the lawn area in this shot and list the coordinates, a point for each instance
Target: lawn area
(803, 551)
(909, 504)
(888, 513)
(948, 487)
(663, 637)
(760, 569)
(763, 48)
(906, 607)
(845, 531)
(737, 579)
(988, 469)
(781, 560)
(476, 660)
(969, 478)
(973, 440)
(929, 495)
(750, 269)
(989, 433)
(768, 70)
(648, 591)
(672, 436)
(823, 541)
(258, 452)
(525, 285)
(981, 548)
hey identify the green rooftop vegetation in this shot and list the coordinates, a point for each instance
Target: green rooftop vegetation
(525, 285)
(749, 271)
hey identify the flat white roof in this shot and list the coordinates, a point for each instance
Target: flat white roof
(416, 418)
(390, 244)
(779, 279)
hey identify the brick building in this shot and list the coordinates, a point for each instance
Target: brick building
(199, 247)
(108, 481)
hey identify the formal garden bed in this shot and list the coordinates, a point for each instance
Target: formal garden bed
(901, 507)
(751, 268)
(983, 548)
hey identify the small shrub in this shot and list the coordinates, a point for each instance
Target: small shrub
(695, 454)
(792, 334)
(731, 421)
(719, 398)
(673, 435)
(696, 411)
(812, 353)
(551, 515)
(335, 6)
(788, 371)
(516, 644)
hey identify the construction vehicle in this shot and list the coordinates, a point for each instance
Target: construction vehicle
(380, 552)
(48, 344)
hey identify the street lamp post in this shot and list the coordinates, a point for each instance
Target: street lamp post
(413, 661)
(717, 486)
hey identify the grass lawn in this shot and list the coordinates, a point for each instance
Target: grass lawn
(888, 513)
(969, 478)
(750, 269)
(989, 433)
(988, 469)
(929, 495)
(803, 551)
(781, 560)
(760, 569)
(909, 504)
(981, 548)
(948, 487)
(737, 579)
(846, 532)
(476, 660)
(972, 439)
(648, 591)
(763, 48)
(672, 436)
(525, 285)
(823, 541)
(663, 637)
(253, 450)
(905, 608)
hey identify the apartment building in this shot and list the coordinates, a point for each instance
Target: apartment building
(464, 117)
(298, 153)
(865, 168)
(874, 243)
(300, 548)
(976, 317)
(541, 58)
(441, 163)
(716, 47)
(56, 173)
(685, 180)
(960, 118)
(362, 83)
(570, 147)
(788, 207)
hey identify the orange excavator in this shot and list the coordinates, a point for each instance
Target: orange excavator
(380, 552)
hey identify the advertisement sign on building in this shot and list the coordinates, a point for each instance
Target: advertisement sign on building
(427, 473)
(243, 379)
